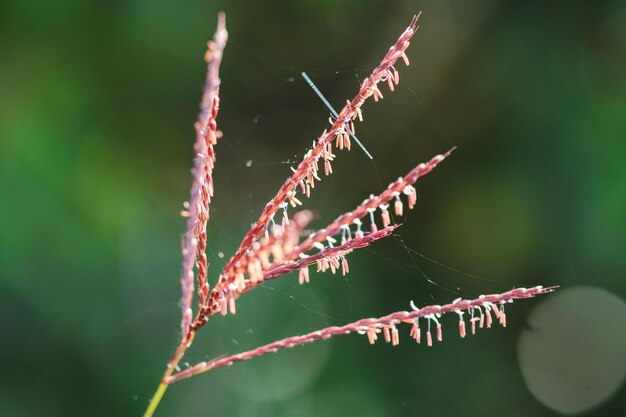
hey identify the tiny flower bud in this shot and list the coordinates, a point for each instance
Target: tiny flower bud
(327, 168)
(462, 328)
(405, 59)
(395, 337)
(371, 335)
(344, 266)
(232, 305)
(223, 306)
(303, 276)
(385, 214)
(387, 334)
(398, 206)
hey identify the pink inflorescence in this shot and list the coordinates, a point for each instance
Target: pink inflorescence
(277, 243)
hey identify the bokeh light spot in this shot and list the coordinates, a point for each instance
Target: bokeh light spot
(572, 355)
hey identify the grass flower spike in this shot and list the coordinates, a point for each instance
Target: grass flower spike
(273, 248)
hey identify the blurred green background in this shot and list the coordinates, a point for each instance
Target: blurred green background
(97, 104)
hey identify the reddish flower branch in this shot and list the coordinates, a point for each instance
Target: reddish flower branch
(479, 309)
(194, 243)
(404, 185)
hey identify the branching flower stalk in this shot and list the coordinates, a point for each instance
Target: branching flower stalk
(272, 248)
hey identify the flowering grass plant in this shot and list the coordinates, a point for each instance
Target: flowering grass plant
(276, 244)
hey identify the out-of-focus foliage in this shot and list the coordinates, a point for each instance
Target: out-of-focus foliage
(97, 102)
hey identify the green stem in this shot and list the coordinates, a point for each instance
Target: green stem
(171, 365)
(156, 399)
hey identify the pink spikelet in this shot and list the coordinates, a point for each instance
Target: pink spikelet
(416, 332)
(462, 332)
